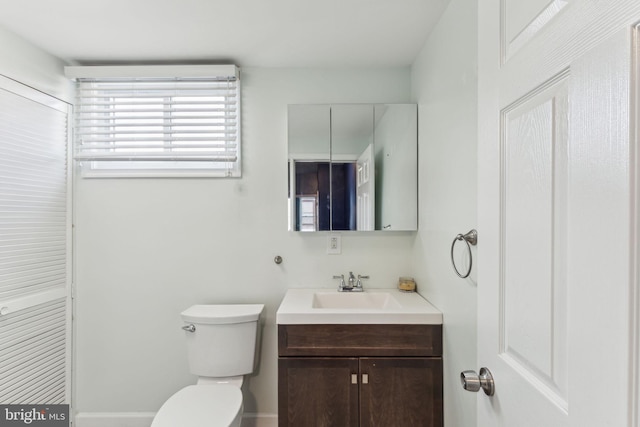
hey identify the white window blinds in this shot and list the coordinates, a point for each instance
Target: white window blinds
(156, 121)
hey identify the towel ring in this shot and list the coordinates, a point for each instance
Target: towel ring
(471, 238)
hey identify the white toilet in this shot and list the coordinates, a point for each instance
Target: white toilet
(221, 344)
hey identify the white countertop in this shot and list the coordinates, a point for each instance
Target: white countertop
(298, 308)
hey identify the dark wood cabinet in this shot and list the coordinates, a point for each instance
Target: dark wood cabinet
(318, 392)
(360, 375)
(401, 392)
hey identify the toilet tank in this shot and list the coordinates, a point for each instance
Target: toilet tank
(222, 342)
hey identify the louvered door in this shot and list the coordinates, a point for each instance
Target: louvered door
(34, 247)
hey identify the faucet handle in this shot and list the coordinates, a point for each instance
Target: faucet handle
(359, 282)
(341, 277)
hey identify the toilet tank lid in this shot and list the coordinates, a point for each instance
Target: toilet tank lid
(222, 313)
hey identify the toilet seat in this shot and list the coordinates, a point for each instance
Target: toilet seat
(202, 406)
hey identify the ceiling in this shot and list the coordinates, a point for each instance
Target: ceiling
(261, 33)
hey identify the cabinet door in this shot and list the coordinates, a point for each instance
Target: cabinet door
(403, 392)
(318, 392)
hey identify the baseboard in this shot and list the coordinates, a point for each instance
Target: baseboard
(144, 419)
(259, 420)
(113, 419)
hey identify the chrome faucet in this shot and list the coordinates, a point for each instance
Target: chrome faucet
(354, 284)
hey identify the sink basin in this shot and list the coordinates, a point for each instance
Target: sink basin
(365, 300)
(373, 306)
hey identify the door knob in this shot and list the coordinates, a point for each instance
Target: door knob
(472, 381)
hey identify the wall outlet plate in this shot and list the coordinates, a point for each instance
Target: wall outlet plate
(334, 244)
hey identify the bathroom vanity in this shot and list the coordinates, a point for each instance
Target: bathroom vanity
(383, 369)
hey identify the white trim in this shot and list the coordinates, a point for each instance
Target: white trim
(114, 419)
(259, 420)
(634, 291)
(144, 419)
(32, 94)
(85, 173)
(70, 336)
(78, 72)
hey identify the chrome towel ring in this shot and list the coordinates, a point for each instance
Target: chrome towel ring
(471, 238)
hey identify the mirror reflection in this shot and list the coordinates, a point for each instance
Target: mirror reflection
(352, 167)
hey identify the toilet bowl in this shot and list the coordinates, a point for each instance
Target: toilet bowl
(221, 343)
(200, 406)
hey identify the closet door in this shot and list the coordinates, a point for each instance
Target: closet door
(34, 247)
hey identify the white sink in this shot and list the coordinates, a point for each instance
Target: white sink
(347, 300)
(373, 306)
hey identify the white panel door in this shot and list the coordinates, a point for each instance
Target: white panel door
(365, 190)
(556, 213)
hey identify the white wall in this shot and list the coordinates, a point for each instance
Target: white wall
(444, 85)
(26, 63)
(147, 249)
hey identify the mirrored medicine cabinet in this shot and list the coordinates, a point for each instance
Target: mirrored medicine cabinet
(353, 167)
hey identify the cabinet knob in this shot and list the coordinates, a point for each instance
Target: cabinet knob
(365, 378)
(354, 378)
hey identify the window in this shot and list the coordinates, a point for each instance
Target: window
(149, 121)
